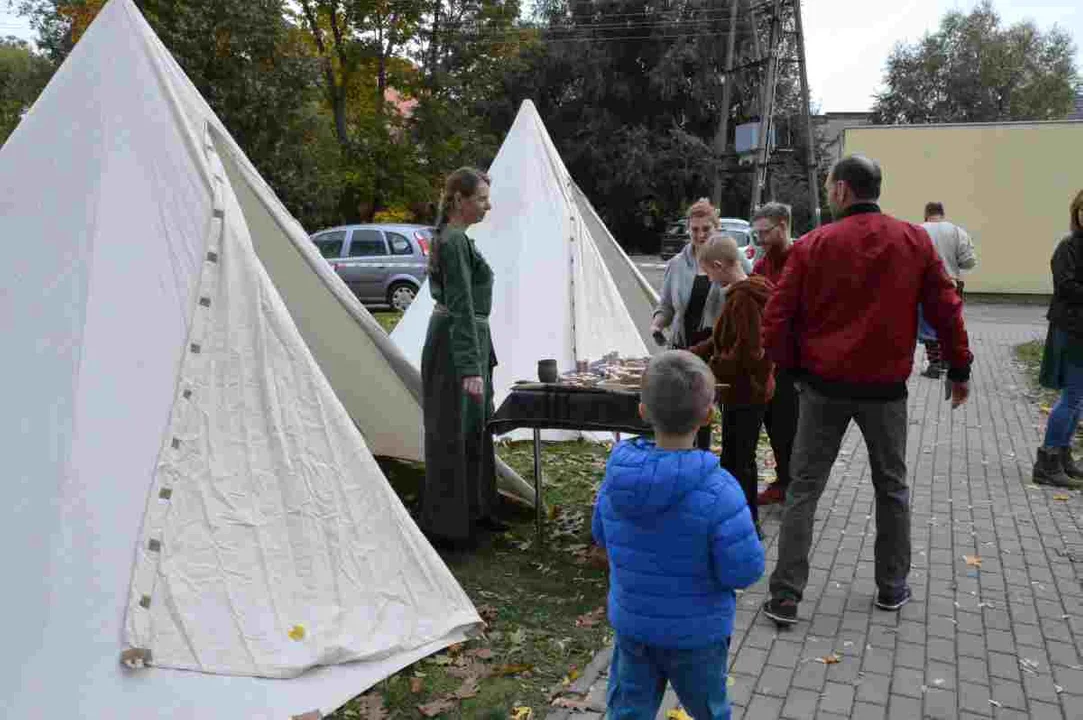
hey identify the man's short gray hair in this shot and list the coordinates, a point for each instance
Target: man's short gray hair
(678, 388)
(776, 211)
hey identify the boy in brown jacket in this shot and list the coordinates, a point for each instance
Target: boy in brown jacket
(735, 354)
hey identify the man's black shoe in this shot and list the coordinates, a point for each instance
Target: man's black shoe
(893, 601)
(783, 611)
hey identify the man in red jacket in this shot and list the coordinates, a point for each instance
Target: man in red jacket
(844, 320)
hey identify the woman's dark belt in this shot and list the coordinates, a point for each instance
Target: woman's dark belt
(442, 310)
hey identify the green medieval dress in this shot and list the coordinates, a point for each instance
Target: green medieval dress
(460, 479)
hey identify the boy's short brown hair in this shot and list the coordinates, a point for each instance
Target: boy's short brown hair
(678, 390)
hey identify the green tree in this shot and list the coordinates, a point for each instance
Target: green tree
(254, 70)
(23, 74)
(973, 69)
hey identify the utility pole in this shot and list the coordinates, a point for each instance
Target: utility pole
(720, 138)
(767, 109)
(810, 158)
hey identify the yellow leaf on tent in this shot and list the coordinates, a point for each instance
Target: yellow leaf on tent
(832, 659)
(1046, 409)
(1062, 498)
(972, 560)
(730, 682)
(297, 632)
(678, 714)
(522, 713)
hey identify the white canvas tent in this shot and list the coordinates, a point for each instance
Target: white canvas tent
(182, 478)
(564, 288)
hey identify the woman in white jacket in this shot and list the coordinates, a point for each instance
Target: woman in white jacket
(690, 303)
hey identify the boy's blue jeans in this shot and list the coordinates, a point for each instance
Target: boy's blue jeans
(638, 675)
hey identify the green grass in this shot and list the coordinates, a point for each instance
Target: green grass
(531, 597)
(388, 319)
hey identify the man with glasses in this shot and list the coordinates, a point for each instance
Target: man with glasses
(771, 223)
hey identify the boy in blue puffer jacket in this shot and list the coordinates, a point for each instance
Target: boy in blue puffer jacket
(680, 540)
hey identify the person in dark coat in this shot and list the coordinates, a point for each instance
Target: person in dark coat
(459, 495)
(1062, 360)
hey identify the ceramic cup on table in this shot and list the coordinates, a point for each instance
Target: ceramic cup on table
(547, 371)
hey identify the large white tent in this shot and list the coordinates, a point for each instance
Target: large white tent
(191, 404)
(564, 288)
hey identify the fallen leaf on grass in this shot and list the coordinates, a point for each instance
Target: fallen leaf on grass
(370, 707)
(518, 637)
(1062, 498)
(472, 669)
(442, 660)
(572, 676)
(481, 653)
(972, 560)
(522, 713)
(591, 619)
(507, 670)
(832, 659)
(416, 684)
(488, 613)
(436, 707)
(678, 714)
(468, 689)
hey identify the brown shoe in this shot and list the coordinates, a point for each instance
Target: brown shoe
(772, 495)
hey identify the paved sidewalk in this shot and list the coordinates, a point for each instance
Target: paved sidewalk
(997, 637)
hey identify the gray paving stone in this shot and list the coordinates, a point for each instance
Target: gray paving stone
(940, 704)
(966, 626)
(764, 708)
(901, 707)
(837, 698)
(800, 704)
(775, 681)
(974, 698)
(874, 688)
(868, 711)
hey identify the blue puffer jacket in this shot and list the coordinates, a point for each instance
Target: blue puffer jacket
(680, 539)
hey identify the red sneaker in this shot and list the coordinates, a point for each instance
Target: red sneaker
(771, 496)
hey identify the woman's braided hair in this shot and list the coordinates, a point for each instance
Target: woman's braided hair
(464, 181)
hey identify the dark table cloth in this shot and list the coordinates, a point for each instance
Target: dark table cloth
(557, 407)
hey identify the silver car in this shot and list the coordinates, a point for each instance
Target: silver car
(382, 264)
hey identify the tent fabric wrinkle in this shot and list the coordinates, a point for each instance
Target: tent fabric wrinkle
(193, 460)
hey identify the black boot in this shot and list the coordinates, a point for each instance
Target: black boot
(1049, 469)
(1071, 469)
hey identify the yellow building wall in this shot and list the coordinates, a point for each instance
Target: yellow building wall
(1008, 184)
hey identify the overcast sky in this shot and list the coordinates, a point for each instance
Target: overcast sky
(848, 41)
(847, 50)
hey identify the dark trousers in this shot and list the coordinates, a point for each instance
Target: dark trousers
(740, 435)
(821, 423)
(781, 424)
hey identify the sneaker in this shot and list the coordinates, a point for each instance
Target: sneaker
(893, 601)
(771, 495)
(783, 611)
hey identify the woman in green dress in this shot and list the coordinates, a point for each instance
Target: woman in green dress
(459, 496)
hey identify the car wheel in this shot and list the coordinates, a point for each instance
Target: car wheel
(401, 295)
